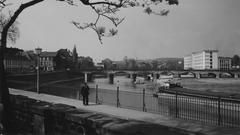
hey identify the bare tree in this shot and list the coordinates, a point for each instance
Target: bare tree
(13, 32)
(103, 8)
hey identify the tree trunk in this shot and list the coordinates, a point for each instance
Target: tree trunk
(4, 92)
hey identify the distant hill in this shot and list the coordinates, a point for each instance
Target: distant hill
(162, 60)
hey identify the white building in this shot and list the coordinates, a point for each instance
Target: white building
(202, 60)
(47, 61)
(188, 62)
(224, 63)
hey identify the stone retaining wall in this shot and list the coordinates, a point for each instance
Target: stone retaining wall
(42, 118)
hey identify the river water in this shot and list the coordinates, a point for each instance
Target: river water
(132, 96)
(124, 84)
(71, 89)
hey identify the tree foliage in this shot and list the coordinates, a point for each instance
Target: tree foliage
(132, 64)
(85, 63)
(236, 60)
(64, 59)
(108, 64)
(13, 32)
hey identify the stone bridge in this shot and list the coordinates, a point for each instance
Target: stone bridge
(157, 74)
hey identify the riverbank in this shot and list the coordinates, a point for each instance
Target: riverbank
(229, 86)
(169, 124)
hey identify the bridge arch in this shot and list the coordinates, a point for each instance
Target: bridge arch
(97, 74)
(226, 75)
(187, 74)
(208, 75)
(166, 73)
(121, 73)
(212, 75)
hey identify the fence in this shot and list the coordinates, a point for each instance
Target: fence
(202, 108)
(213, 110)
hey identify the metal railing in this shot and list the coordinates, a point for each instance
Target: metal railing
(213, 110)
(207, 109)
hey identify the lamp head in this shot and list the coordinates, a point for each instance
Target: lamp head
(38, 50)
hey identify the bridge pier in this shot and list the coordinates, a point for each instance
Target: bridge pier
(87, 77)
(236, 75)
(198, 75)
(157, 76)
(217, 75)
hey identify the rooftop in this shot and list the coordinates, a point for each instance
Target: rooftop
(222, 57)
(48, 54)
(205, 51)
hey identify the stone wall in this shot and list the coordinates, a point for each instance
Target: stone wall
(42, 118)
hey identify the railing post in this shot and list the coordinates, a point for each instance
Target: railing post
(176, 104)
(118, 103)
(144, 105)
(78, 94)
(96, 94)
(219, 110)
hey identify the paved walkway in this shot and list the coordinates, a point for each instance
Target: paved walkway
(132, 114)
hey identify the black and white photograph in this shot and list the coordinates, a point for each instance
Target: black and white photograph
(119, 67)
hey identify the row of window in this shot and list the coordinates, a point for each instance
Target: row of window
(46, 58)
(16, 63)
(46, 63)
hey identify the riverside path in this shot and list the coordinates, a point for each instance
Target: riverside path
(173, 124)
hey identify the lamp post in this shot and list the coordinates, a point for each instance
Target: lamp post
(38, 52)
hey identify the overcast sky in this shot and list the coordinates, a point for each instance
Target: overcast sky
(192, 26)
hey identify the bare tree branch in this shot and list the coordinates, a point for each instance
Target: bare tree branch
(13, 19)
(107, 9)
(13, 32)
(2, 4)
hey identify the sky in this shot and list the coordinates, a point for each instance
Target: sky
(191, 26)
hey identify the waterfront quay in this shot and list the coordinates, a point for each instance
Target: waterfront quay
(207, 102)
(133, 122)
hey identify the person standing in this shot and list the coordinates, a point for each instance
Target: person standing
(85, 93)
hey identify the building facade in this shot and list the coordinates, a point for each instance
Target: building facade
(188, 62)
(47, 61)
(224, 63)
(202, 60)
(18, 61)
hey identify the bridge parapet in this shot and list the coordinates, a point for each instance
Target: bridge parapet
(197, 73)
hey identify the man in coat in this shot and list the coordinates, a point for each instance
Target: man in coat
(85, 93)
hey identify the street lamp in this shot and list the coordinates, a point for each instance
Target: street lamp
(38, 52)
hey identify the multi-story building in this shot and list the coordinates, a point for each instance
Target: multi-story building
(202, 60)
(47, 62)
(17, 60)
(224, 63)
(188, 62)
